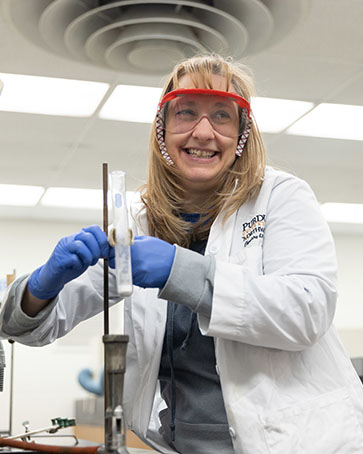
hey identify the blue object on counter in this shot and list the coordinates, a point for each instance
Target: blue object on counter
(87, 380)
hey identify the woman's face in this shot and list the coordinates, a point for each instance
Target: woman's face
(202, 155)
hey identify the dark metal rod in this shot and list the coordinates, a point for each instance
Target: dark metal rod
(11, 387)
(105, 261)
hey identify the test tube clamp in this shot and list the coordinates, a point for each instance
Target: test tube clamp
(115, 365)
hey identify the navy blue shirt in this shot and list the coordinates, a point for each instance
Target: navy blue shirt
(195, 420)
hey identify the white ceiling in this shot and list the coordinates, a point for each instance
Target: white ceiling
(321, 60)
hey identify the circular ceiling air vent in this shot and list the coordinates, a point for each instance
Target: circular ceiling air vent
(150, 36)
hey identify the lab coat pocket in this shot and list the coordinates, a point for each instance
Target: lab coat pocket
(326, 424)
(250, 257)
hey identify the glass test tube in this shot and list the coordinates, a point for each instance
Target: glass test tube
(121, 225)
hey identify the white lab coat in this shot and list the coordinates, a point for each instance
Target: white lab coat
(288, 385)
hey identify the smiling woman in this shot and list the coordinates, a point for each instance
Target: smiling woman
(235, 352)
(208, 142)
(201, 139)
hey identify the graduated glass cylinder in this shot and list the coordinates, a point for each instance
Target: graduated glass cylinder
(122, 235)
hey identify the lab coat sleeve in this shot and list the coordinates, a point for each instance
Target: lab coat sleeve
(288, 303)
(190, 281)
(79, 300)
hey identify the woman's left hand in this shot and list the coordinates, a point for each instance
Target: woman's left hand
(151, 261)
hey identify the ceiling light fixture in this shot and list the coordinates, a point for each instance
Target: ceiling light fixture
(20, 195)
(347, 213)
(73, 198)
(91, 199)
(132, 103)
(335, 121)
(50, 96)
(273, 115)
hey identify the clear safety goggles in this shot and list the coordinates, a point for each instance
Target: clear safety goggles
(181, 110)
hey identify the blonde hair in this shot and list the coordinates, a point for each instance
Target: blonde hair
(163, 194)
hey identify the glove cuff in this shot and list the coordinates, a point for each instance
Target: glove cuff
(35, 287)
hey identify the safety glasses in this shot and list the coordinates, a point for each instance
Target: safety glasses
(181, 110)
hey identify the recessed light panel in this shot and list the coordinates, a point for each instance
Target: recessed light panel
(20, 195)
(132, 103)
(50, 96)
(73, 198)
(336, 121)
(348, 213)
(79, 198)
(273, 115)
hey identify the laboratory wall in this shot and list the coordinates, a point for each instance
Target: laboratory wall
(349, 313)
(45, 379)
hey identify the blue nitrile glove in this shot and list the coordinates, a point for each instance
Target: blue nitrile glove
(70, 258)
(151, 261)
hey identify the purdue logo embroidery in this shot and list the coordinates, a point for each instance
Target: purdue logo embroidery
(253, 229)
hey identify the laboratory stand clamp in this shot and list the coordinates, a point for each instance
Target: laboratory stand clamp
(57, 424)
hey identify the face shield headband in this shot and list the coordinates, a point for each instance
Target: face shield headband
(181, 110)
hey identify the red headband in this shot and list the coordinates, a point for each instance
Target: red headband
(204, 91)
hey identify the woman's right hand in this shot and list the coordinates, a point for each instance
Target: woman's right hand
(70, 258)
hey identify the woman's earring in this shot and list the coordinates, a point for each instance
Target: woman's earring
(160, 138)
(243, 139)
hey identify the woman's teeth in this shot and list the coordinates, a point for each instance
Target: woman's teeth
(200, 153)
